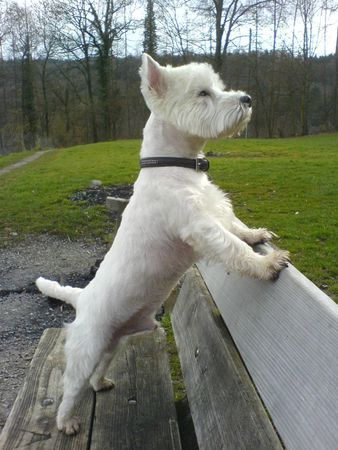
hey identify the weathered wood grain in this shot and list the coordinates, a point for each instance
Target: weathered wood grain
(225, 407)
(287, 334)
(139, 413)
(31, 424)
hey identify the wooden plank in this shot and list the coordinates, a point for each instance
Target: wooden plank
(31, 424)
(225, 407)
(139, 414)
(287, 334)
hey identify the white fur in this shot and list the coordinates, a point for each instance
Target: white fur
(174, 217)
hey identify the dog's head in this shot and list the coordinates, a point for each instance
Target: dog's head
(193, 99)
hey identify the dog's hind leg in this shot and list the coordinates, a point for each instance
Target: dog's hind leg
(65, 421)
(83, 352)
(134, 325)
(98, 380)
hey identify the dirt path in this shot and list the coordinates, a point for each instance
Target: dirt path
(24, 313)
(23, 162)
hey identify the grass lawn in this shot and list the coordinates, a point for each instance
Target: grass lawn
(14, 157)
(289, 186)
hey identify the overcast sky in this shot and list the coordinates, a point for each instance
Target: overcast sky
(322, 46)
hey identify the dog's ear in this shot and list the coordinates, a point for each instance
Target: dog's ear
(153, 75)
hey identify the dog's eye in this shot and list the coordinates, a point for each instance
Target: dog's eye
(203, 94)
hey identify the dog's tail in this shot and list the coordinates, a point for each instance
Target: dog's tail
(53, 289)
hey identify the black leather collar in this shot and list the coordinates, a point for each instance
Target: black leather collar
(198, 164)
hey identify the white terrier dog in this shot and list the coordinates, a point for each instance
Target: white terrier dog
(175, 216)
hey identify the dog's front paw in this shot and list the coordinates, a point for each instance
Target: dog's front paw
(275, 263)
(70, 426)
(103, 384)
(259, 236)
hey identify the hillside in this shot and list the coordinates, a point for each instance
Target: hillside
(288, 186)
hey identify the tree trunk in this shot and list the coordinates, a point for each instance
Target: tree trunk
(3, 103)
(92, 114)
(335, 110)
(304, 109)
(218, 63)
(45, 99)
(103, 64)
(29, 116)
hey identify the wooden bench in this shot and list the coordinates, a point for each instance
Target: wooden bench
(260, 367)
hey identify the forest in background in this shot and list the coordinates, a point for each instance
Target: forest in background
(69, 70)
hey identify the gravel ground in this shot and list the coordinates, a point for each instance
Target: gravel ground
(24, 313)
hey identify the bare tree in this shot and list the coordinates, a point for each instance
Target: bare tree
(4, 31)
(227, 16)
(309, 11)
(176, 21)
(46, 50)
(277, 10)
(72, 25)
(24, 35)
(89, 32)
(335, 105)
(107, 26)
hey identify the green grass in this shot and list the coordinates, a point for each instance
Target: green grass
(175, 366)
(289, 186)
(13, 158)
(35, 199)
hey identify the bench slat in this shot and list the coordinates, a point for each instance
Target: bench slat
(139, 413)
(287, 334)
(225, 407)
(31, 423)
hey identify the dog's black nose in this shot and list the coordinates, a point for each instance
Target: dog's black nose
(246, 99)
